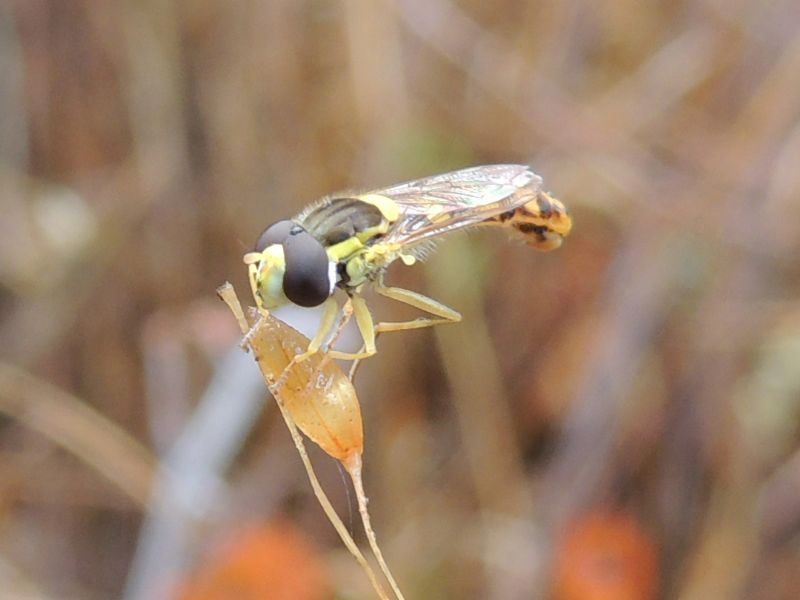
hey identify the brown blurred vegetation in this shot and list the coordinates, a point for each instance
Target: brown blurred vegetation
(619, 419)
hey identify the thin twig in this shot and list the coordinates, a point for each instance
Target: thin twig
(353, 466)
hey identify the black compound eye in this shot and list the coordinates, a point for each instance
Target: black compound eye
(306, 280)
(274, 234)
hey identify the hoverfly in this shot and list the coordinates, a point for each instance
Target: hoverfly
(348, 241)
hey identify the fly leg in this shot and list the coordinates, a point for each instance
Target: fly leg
(353, 306)
(330, 327)
(357, 307)
(251, 260)
(326, 326)
(441, 314)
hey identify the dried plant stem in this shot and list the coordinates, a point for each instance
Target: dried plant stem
(71, 423)
(328, 508)
(227, 293)
(353, 466)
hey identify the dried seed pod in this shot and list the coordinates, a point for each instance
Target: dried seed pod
(315, 396)
(319, 396)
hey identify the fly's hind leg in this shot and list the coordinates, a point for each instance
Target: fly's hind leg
(369, 330)
(441, 313)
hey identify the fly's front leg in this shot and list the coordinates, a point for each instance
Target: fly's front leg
(326, 326)
(252, 273)
(353, 306)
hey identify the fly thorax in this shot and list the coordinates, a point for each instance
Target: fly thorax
(357, 271)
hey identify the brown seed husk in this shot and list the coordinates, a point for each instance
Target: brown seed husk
(319, 396)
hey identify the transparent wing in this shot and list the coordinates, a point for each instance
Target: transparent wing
(435, 205)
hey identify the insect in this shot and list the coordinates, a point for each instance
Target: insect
(346, 242)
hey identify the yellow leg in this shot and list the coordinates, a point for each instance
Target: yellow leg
(352, 306)
(443, 314)
(252, 272)
(365, 325)
(356, 306)
(326, 326)
(321, 335)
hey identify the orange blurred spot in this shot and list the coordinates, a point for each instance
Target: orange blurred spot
(606, 556)
(267, 562)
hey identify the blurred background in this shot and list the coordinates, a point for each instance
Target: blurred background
(618, 419)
